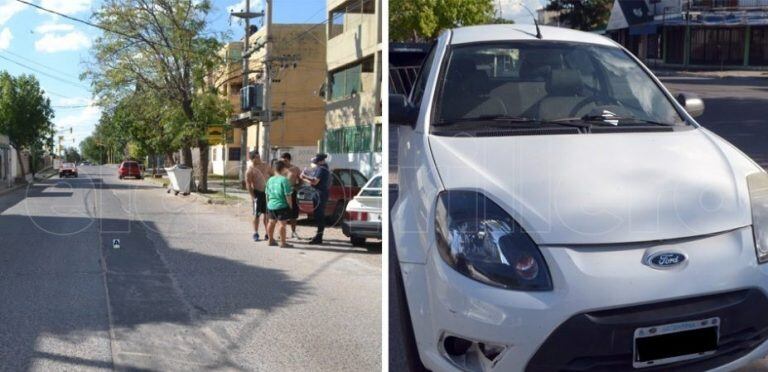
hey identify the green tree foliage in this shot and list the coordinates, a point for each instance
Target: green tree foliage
(585, 15)
(419, 20)
(72, 155)
(162, 53)
(92, 151)
(25, 116)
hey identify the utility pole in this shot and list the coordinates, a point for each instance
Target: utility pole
(247, 15)
(267, 114)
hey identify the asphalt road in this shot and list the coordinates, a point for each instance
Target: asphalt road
(186, 290)
(736, 108)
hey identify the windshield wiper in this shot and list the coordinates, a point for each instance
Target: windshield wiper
(508, 119)
(611, 120)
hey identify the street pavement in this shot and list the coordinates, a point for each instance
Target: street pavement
(736, 109)
(187, 289)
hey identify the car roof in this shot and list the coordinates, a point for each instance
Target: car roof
(481, 33)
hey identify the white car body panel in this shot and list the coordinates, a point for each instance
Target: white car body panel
(603, 188)
(595, 204)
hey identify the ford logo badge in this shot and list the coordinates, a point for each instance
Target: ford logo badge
(665, 260)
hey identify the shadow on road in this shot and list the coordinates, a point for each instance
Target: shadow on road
(55, 290)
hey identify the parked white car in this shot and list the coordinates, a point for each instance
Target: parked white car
(559, 209)
(362, 219)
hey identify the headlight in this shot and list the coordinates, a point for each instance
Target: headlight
(758, 196)
(480, 240)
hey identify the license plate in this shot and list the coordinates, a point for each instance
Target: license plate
(374, 217)
(675, 342)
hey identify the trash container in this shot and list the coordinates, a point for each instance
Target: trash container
(180, 177)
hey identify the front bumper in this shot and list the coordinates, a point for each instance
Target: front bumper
(601, 294)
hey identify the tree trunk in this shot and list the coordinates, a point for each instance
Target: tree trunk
(169, 162)
(204, 154)
(21, 164)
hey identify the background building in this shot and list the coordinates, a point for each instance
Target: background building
(298, 72)
(353, 89)
(718, 33)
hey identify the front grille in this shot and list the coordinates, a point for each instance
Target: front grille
(603, 340)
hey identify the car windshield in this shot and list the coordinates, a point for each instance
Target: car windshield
(373, 188)
(547, 83)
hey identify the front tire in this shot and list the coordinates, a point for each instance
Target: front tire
(401, 337)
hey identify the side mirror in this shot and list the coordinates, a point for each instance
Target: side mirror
(691, 103)
(401, 112)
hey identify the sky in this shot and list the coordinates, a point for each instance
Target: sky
(55, 49)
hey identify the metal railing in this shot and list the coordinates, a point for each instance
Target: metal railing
(401, 79)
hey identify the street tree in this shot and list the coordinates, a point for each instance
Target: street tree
(420, 20)
(161, 46)
(25, 116)
(585, 15)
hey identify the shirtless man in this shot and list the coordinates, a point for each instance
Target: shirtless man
(293, 176)
(255, 181)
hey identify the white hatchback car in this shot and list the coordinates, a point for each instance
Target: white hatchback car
(559, 209)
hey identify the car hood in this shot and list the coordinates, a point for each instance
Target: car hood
(604, 188)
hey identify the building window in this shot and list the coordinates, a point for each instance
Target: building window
(234, 154)
(346, 82)
(348, 14)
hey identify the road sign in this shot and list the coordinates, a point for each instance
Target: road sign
(115, 243)
(215, 135)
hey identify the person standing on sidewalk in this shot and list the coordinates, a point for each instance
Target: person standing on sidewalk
(293, 177)
(278, 192)
(255, 180)
(320, 179)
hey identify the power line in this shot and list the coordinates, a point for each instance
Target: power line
(44, 73)
(106, 29)
(34, 62)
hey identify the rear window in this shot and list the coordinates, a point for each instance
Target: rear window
(130, 164)
(68, 165)
(373, 188)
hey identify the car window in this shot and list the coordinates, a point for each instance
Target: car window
(546, 81)
(373, 188)
(346, 178)
(360, 180)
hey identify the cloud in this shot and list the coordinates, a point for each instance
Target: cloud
(513, 9)
(68, 7)
(240, 6)
(9, 8)
(5, 38)
(82, 121)
(53, 27)
(60, 42)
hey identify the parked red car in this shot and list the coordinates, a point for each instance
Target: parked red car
(346, 183)
(129, 169)
(68, 170)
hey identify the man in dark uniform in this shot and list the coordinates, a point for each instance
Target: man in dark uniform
(320, 179)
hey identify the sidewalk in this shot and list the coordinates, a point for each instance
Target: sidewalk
(664, 72)
(44, 174)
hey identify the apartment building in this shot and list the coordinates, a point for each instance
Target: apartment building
(717, 33)
(298, 73)
(353, 134)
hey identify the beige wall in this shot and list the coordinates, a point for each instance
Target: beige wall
(360, 39)
(297, 86)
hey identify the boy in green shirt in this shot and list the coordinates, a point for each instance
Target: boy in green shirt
(278, 192)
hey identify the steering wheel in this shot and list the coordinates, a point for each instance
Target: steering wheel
(598, 100)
